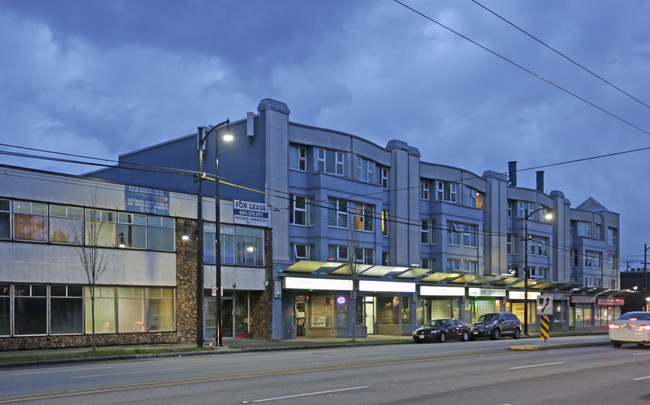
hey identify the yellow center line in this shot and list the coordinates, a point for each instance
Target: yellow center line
(199, 380)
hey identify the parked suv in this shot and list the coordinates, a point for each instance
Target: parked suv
(496, 325)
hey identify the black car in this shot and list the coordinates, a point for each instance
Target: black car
(439, 330)
(496, 325)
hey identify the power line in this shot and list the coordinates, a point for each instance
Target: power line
(563, 55)
(584, 100)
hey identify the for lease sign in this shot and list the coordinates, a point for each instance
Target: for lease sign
(251, 213)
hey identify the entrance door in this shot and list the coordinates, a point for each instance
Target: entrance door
(369, 314)
(227, 315)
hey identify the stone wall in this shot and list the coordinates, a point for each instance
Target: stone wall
(261, 305)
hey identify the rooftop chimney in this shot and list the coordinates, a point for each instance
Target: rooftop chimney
(512, 173)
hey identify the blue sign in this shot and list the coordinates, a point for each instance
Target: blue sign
(146, 200)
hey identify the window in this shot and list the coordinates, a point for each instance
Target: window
(66, 224)
(575, 258)
(66, 309)
(249, 244)
(424, 190)
(511, 205)
(538, 245)
(160, 233)
(132, 230)
(428, 264)
(446, 191)
(100, 228)
(298, 209)
(5, 215)
(467, 231)
(385, 258)
(597, 231)
(583, 228)
(453, 265)
(364, 256)
(469, 266)
(104, 310)
(384, 222)
(365, 169)
(30, 221)
(131, 309)
(513, 244)
(539, 273)
(611, 236)
(337, 253)
(337, 215)
(364, 217)
(473, 198)
(298, 158)
(593, 259)
(30, 309)
(4, 310)
(210, 244)
(521, 209)
(160, 316)
(383, 177)
(301, 252)
(425, 232)
(330, 161)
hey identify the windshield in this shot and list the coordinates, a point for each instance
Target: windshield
(488, 318)
(435, 323)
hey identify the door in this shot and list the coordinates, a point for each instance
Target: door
(369, 314)
(227, 318)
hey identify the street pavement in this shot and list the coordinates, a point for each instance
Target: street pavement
(49, 356)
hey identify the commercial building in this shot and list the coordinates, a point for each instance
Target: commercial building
(324, 233)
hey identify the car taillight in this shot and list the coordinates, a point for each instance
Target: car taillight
(644, 327)
(612, 326)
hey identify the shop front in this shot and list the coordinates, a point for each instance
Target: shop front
(517, 302)
(582, 312)
(440, 302)
(388, 308)
(607, 310)
(484, 301)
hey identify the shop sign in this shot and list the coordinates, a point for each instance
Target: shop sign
(298, 283)
(486, 292)
(386, 286)
(251, 213)
(582, 300)
(442, 291)
(610, 301)
(519, 295)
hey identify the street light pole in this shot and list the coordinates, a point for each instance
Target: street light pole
(203, 133)
(645, 276)
(547, 216)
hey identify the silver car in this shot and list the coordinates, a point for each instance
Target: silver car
(631, 327)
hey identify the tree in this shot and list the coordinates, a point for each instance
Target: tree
(93, 260)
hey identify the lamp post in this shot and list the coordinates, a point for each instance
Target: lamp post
(645, 276)
(203, 133)
(547, 216)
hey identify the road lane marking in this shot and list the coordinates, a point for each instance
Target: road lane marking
(306, 394)
(59, 369)
(640, 354)
(537, 365)
(129, 372)
(231, 377)
(641, 378)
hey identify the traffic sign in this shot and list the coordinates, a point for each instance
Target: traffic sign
(545, 305)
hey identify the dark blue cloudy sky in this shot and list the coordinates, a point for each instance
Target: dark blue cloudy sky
(104, 77)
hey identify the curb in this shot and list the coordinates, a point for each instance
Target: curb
(564, 346)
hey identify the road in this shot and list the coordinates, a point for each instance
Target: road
(481, 372)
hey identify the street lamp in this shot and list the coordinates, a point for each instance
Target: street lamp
(645, 276)
(548, 216)
(203, 133)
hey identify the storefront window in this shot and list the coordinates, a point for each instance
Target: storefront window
(130, 309)
(161, 309)
(30, 312)
(104, 310)
(4, 310)
(66, 309)
(388, 310)
(583, 315)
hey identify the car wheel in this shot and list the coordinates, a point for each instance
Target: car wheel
(616, 343)
(465, 337)
(442, 338)
(517, 333)
(496, 334)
